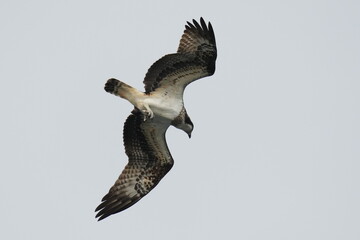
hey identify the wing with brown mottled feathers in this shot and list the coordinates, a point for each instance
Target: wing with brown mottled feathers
(149, 161)
(194, 59)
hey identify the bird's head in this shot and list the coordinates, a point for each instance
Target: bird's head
(184, 123)
(188, 126)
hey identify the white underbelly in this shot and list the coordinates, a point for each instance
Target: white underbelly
(165, 107)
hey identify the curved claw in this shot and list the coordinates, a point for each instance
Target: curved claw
(148, 114)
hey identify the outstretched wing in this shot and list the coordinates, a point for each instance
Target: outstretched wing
(194, 59)
(149, 161)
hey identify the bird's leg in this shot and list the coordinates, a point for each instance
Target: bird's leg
(145, 109)
(134, 96)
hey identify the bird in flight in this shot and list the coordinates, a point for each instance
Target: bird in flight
(160, 106)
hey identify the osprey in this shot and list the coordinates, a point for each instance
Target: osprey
(160, 106)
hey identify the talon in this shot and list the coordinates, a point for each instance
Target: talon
(151, 114)
(145, 114)
(148, 114)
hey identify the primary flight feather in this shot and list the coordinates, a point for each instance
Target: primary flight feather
(160, 106)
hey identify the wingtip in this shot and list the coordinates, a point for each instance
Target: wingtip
(202, 21)
(206, 27)
(101, 218)
(101, 215)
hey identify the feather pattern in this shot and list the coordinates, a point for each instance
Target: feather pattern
(194, 59)
(149, 161)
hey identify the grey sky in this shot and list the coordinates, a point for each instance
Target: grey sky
(275, 150)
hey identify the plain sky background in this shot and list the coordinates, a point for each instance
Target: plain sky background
(276, 147)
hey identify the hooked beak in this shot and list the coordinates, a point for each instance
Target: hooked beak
(189, 134)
